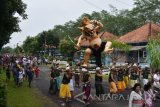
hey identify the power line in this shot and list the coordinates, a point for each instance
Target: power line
(92, 4)
(122, 2)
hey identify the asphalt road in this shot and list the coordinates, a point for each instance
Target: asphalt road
(42, 83)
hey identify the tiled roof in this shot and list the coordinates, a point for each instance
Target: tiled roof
(141, 34)
(107, 36)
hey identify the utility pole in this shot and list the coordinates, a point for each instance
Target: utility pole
(150, 25)
(150, 30)
(45, 45)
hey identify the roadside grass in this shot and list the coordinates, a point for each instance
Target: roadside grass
(24, 96)
(21, 96)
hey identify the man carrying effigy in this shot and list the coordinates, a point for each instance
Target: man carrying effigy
(90, 32)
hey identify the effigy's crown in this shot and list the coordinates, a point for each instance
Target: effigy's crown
(85, 21)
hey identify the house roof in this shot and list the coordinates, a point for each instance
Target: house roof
(141, 34)
(107, 36)
(103, 35)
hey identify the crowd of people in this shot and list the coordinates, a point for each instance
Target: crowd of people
(145, 85)
(20, 68)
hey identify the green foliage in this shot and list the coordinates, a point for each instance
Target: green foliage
(7, 50)
(37, 43)
(9, 22)
(50, 58)
(146, 10)
(30, 45)
(120, 46)
(18, 50)
(45, 55)
(3, 93)
(117, 23)
(66, 47)
(153, 48)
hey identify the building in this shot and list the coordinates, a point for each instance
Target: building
(138, 39)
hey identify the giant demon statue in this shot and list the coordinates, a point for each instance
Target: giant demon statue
(90, 31)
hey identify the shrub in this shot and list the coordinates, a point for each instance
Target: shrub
(3, 95)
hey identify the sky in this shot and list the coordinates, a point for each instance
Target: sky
(45, 14)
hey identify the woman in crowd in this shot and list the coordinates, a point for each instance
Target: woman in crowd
(98, 82)
(71, 85)
(156, 84)
(133, 75)
(23, 71)
(136, 99)
(126, 75)
(30, 76)
(20, 76)
(86, 85)
(37, 71)
(112, 81)
(77, 80)
(145, 75)
(65, 93)
(148, 95)
(17, 75)
(121, 84)
(8, 73)
(57, 81)
(52, 76)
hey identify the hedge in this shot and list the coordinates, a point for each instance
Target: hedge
(3, 92)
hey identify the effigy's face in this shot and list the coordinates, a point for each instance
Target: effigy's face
(89, 30)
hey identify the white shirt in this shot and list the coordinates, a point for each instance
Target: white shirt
(156, 80)
(134, 96)
(71, 85)
(17, 61)
(20, 74)
(29, 61)
(24, 61)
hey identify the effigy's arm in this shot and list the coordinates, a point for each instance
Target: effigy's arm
(108, 48)
(79, 40)
(98, 25)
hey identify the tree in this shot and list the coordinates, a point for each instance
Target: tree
(7, 50)
(46, 39)
(51, 39)
(117, 22)
(67, 47)
(146, 10)
(118, 47)
(30, 45)
(153, 48)
(9, 22)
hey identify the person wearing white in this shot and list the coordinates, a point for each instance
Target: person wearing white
(20, 77)
(136, 99)
(156, 84)
(24, 61)
(71, 85)
(17, 61)
(145, 75)
(156, 78)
